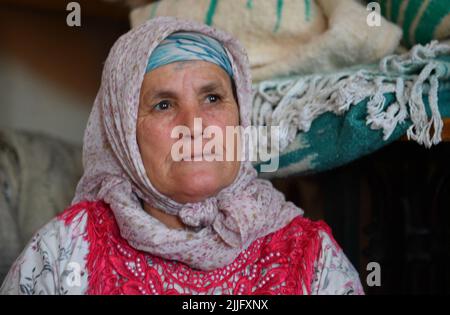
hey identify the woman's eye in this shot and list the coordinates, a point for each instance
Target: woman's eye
(162, 106)
(213, 98)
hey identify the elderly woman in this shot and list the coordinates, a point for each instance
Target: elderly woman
(144, 222)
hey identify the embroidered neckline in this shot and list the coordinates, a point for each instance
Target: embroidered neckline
(279, 263)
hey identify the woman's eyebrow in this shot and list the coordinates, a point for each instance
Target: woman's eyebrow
(210, 87)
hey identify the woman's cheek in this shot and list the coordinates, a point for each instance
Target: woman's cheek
(150, 136)
(160, 133)
(225, 118)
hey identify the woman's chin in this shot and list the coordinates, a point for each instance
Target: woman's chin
(198, 181)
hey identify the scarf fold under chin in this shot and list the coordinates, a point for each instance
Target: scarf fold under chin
(221, 228)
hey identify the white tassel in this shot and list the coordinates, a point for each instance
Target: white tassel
(294, 103)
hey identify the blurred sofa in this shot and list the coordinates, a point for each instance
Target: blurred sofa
(38, 176)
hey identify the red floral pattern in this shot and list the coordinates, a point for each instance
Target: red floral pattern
(279, 263)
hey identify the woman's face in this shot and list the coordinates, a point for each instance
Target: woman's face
(173, 95)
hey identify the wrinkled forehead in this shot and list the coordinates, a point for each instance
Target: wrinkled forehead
(200, 76)
(194, 51)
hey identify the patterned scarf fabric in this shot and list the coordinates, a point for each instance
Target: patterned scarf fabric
(221, 227)
(183, 46)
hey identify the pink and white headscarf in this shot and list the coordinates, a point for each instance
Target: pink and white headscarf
(220, 227)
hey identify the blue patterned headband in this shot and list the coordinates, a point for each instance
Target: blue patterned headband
(182, 46)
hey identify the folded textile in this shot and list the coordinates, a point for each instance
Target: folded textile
(421, 21)
(286, 37)
(327, 120)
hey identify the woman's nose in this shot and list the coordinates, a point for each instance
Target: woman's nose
(192, 118)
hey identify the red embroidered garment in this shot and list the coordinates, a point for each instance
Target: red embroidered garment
(279, 263)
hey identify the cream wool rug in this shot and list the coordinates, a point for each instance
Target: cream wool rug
(287, 37)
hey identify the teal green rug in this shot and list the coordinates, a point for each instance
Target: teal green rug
(328, 120)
